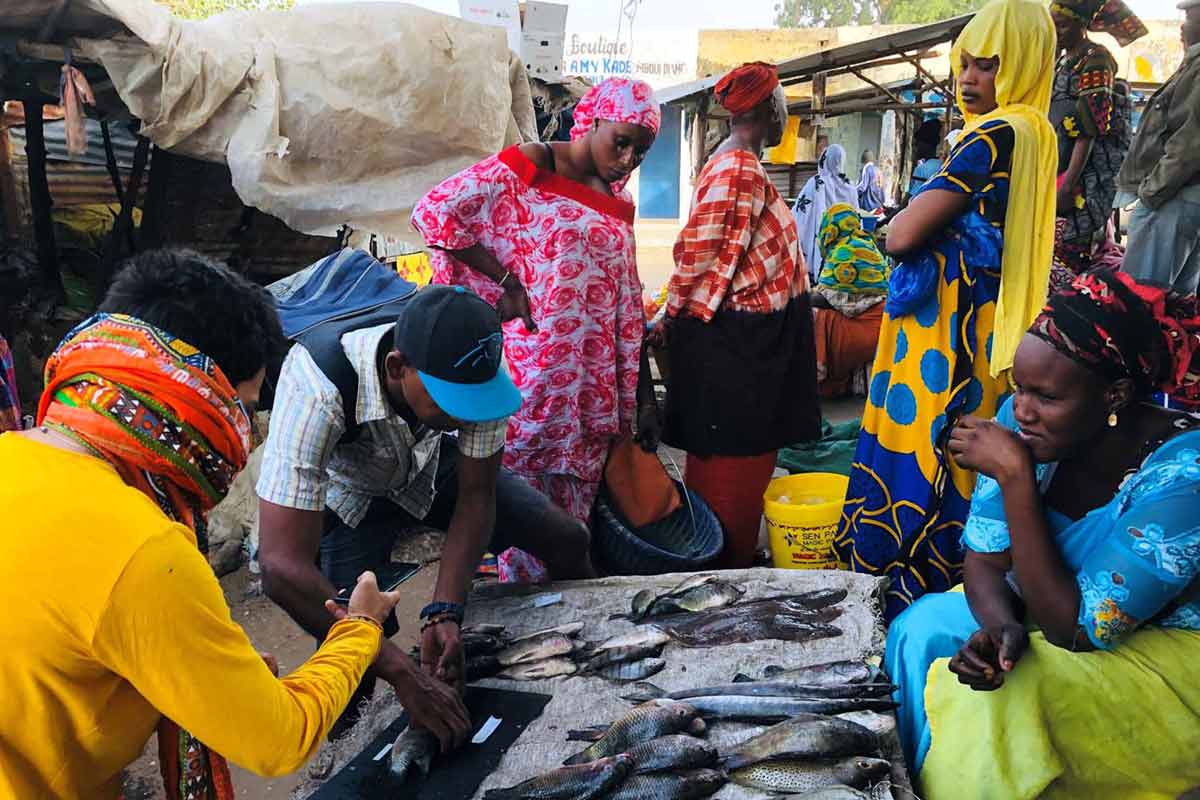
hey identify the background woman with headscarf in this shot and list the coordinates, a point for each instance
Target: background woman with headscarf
(1090, 112)
(847, 300)
(827, 188)
(546, 232)
(1082, 537)
(738, 322)
(974, 250)
(871, 196)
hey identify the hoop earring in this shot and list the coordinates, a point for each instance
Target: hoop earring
(1112, 420)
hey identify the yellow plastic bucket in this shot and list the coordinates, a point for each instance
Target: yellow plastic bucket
(802, 514)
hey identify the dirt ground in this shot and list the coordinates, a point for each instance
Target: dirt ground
(273, 631)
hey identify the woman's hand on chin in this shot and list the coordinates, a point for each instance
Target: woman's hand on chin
(990, 448)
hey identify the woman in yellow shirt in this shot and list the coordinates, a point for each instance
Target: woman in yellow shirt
(119, 625)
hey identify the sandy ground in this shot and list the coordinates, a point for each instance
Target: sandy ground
(271, 630)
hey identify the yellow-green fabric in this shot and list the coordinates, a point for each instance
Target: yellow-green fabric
(1107, 725)
(851, 261)
(117, 619)
(1021, 34)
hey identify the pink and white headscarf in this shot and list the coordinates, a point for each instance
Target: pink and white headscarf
(617, 100)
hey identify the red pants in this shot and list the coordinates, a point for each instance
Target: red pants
(733, 487)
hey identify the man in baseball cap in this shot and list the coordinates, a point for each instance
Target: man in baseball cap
(431, 414)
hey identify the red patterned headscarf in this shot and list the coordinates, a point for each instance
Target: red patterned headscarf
(1120, 328)
(746, 87)
(164, 415)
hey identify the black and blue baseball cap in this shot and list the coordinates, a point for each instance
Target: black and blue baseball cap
(452, 338)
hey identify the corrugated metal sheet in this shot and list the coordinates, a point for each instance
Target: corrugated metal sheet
(56, 143)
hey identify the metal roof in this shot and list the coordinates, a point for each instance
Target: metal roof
(798, 70)
(56, 143)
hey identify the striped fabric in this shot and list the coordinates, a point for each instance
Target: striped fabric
(303, 467)
(739, 250)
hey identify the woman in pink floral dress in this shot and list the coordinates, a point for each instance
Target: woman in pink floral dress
(545, 231)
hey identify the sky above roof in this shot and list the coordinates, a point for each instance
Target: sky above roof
(604, 15)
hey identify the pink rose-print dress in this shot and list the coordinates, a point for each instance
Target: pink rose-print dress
(573, 249)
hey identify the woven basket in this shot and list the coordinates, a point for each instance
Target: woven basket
(684, 540)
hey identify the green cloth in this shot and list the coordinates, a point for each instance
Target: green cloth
(833, 452)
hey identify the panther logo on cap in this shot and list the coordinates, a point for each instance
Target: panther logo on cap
(486, 348)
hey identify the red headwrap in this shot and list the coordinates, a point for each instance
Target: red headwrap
(746, 87)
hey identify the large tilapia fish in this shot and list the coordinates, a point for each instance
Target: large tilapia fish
(691, 785)
(674, 752)
(805, 736)
(639, 725)
(582, 782)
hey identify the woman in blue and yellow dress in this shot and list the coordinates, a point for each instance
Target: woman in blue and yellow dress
(974, 250)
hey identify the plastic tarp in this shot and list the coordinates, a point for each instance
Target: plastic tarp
(325, 114)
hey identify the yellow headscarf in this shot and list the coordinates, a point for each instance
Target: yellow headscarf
(1021, 34)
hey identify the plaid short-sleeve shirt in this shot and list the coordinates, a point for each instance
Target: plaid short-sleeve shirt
(305, 468)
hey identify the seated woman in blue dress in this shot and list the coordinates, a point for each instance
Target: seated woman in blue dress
(1067, 667)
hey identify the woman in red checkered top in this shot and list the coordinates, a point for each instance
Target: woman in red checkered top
(738, 327)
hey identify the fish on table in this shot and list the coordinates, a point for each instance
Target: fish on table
(803, 737)
(753, 621)
(568, 629)
(689, 785)
(639, 725)
(540, 670)
(741, 708)
(830, 673)
(628, 671)
(620, 655)
(545, 645)
(644, 636)
(411, 756)
(839, 792)
(695, 593)
(644, 691)
(785, 777)
(674, 752)
(579, 782)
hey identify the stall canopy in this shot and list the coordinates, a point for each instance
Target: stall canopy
(906, 46)
(325, 114)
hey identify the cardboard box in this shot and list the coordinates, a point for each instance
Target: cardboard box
(543, 37)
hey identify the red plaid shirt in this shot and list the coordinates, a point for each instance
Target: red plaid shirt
(740, 249)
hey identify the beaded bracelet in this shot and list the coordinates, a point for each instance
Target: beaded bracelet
(366, 618)
(454, 609)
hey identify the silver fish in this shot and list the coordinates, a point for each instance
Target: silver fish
(823, 674)
(774, 709)
(620, 655)
(641, 603)
(805, 776)
(484, 629)
(412, 753)
(639, 725)
(626, 671)
(647, 635)
(691, 785)
(537, 648)
(582, 782)
(674, 752)
(807, 737)
(570, 629)
(540, 670)
(689, 583)
(716, 594)
(648, 691)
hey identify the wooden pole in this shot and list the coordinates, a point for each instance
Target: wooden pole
(152, 233)
(39, 198)
(123, 227)
(699, 134)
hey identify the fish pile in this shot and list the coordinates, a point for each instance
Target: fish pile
(694, 594)
(650, 753)
(552, 652)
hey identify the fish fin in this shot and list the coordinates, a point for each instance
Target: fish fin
(742, 677)
(771, 670)
(581, 757)
(586, 734)
(648, 691)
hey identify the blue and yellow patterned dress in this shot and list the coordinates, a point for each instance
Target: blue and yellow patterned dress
(907, 500)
